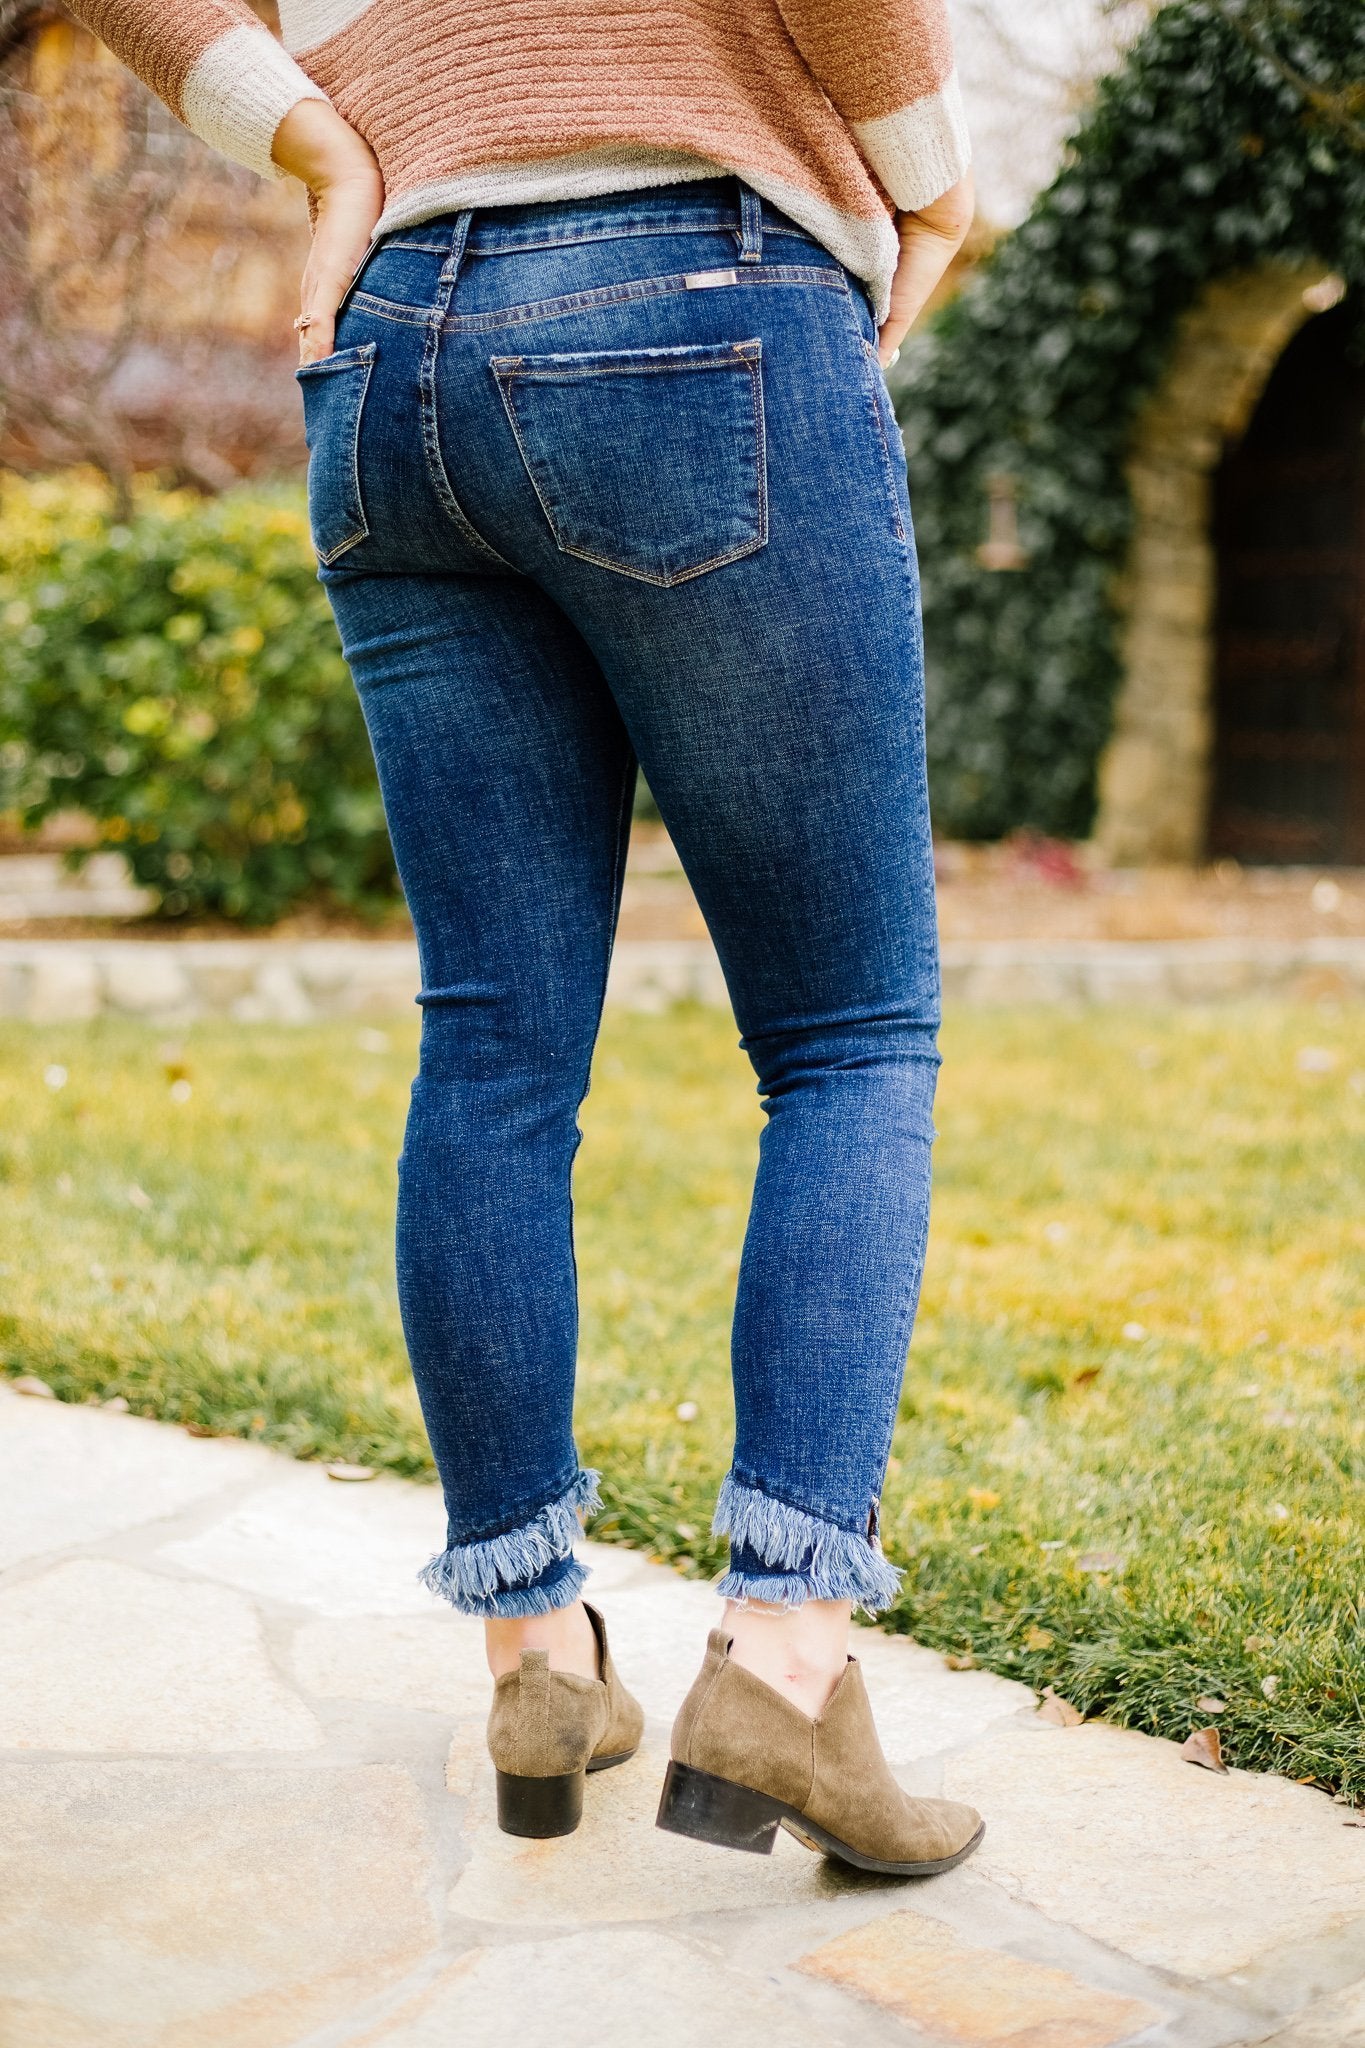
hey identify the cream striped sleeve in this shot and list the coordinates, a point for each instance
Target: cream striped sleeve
(887, 67)
(213, 62)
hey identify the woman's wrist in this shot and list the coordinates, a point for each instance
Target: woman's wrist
(317, 145)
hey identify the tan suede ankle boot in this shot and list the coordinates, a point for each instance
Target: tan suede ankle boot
(547, 1728)
(746, 1762)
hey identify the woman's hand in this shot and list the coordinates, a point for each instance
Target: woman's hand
(341, 172)
(929, 241)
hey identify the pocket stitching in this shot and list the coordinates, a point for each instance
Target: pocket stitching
(507, 368)
(359, 358)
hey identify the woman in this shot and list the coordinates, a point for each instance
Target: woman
(603, 470)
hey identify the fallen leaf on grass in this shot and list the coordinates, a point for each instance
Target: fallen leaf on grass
(1039, 1639)
(1057, 1712)
(29, 1383)
(354, 1473)
(1099, 1561)
(1205, 1748)
(1211, 1704)
(1086, 1374)
(982, 1497)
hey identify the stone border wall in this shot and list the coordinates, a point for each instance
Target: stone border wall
(172, 982)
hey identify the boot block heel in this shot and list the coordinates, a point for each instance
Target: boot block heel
(713, 1810)
(540, 1807)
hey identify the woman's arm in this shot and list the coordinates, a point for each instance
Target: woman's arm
(213, 62)
(887, 67)
(343, 177)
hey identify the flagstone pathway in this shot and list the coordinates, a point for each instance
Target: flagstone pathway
(244, 1803)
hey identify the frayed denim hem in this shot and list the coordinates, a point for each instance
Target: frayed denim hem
(498, 1576)
(817, 1560)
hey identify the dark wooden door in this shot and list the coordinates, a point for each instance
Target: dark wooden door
(1289, 529)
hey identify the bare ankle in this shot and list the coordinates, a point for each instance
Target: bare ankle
(565, 1633)
(800, 1652)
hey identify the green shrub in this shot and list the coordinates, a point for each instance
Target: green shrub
(178, 678)
(1233, 135)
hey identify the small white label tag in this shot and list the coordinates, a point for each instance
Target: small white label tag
(706, 280)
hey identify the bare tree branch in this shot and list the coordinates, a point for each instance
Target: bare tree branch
(123, 345)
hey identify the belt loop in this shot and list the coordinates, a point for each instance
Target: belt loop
(459, 235)
(750, 225)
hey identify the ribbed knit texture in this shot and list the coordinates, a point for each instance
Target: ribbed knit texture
(837, 111)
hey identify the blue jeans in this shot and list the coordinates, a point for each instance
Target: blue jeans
(592, 483)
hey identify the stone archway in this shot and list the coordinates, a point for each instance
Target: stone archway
(1154, 774)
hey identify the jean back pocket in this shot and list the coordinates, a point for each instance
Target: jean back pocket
(333, 399)
(647, 461)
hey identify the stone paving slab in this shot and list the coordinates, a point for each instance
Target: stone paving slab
(1119, 1800)
(1331, 2023)
(244, 1803)
(294, 981)
(918, 1968)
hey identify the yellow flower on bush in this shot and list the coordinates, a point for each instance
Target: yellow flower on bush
(146, 715)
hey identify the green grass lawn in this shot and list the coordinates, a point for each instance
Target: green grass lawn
(1141, 1345)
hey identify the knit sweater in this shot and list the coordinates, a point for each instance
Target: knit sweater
(838, 111)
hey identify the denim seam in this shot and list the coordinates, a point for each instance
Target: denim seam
(431, 432)
(618, 866)
(346, 360)
(873, 371)
(905, 1330)
(507, 368)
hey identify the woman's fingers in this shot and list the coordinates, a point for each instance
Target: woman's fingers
(316, 331)
(321, 293)
(342, 232)
(929, 241)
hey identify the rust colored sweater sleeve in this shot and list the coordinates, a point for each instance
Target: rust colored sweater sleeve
(213, 62)
(887, 68)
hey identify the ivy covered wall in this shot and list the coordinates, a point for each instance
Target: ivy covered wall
(1233, 135)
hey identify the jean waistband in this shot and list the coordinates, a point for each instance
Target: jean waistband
(695, 207)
